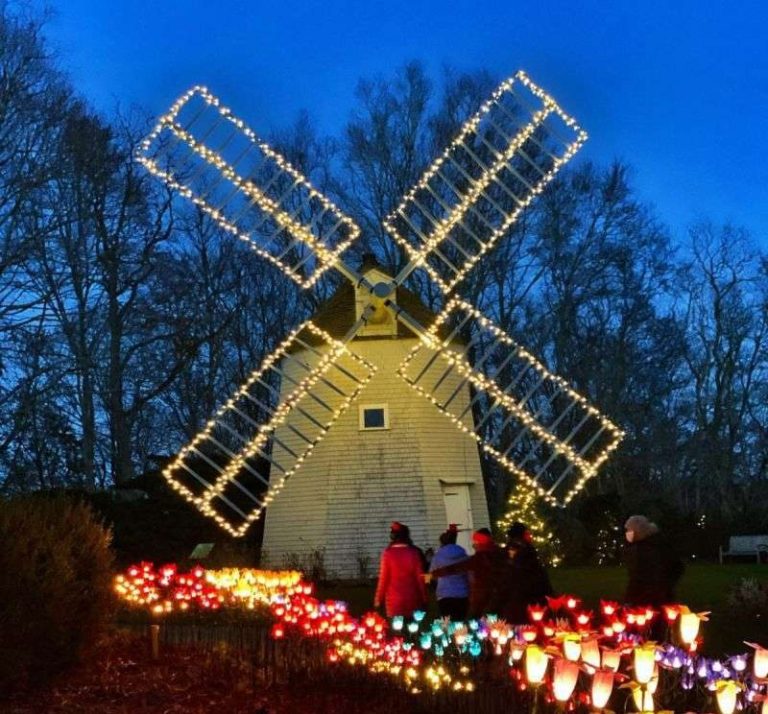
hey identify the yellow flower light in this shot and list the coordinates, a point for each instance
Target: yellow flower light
(759, 661)
(727, 694)
(645, 662)
(536, 661)
(572, 646)
(643, 700)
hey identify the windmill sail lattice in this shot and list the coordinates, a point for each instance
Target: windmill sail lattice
(528, 419)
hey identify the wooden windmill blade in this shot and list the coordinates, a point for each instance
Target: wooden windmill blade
(210, 157)
(530, 420)
(502, 158)
(263, 433)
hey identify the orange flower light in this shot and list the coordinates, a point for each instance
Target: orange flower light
(689, 625)
(602, 687)
(611, 659)
(590, 652)
(759, 661)
(564, 678)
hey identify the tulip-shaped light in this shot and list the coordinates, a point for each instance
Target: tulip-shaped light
(564, 679)
(536, 661)
(602, 687)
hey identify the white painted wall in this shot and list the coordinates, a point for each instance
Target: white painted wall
(356, 482)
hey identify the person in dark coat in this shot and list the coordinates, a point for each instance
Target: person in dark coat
(488, 575)
(401, 589)
(653, 566)
(529, 581)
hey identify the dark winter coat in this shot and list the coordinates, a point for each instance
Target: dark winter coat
(529, 583)
(654, 569)
(489, 580)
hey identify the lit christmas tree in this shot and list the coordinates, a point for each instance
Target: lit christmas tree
(525, 507)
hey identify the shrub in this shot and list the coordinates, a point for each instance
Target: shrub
(748, 598)
(55, 587)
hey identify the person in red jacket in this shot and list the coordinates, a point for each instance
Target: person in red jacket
(401, 587)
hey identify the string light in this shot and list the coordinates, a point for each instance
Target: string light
(419, 256)
(586, 468)
(328, 257)
(265, 431)
(438, 655)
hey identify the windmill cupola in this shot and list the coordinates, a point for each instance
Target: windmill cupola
(381, 323)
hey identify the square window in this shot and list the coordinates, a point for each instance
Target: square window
(374, 416)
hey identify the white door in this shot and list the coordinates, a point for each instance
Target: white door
(458, 510)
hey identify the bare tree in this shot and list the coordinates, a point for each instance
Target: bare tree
(725, 301)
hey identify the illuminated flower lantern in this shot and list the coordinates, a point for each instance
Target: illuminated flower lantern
(726, 693)
(602, 687)
(572, 646)
(643, 700)
(536, 661)
(759, 661)
(645, 662)
(590, 652)
(611, 659)
(367, 383)
(564, 678)
(690, 623)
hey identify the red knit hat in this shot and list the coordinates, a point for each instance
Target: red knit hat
(482, 540)
(396, 526)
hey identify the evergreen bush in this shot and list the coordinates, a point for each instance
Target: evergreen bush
(55, 587)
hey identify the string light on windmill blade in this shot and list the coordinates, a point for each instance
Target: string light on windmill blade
(479, 185)
(264, 432)
(586, 469)
(326, 255)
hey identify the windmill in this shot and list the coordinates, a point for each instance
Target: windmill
(530, 421)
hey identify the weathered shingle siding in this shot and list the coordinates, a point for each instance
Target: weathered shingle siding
(356, 482)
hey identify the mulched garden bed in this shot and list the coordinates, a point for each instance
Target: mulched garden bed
(122, 677)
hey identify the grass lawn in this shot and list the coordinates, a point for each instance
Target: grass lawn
(703, 587)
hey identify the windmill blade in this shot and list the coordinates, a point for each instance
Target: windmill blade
(528, 419)
(263, 433)
(209, 156)
(502, 158)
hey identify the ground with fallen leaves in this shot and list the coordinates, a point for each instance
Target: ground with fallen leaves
(122, 677)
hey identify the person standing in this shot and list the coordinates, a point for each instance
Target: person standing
(401, 587)
(452, 590)
(488, 572)
(653, 566)
(529, 581)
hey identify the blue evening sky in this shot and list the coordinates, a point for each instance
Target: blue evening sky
(678, 89)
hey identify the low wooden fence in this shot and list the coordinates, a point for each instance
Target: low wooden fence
(300, 662)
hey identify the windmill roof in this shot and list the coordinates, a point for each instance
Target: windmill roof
(337, 314)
